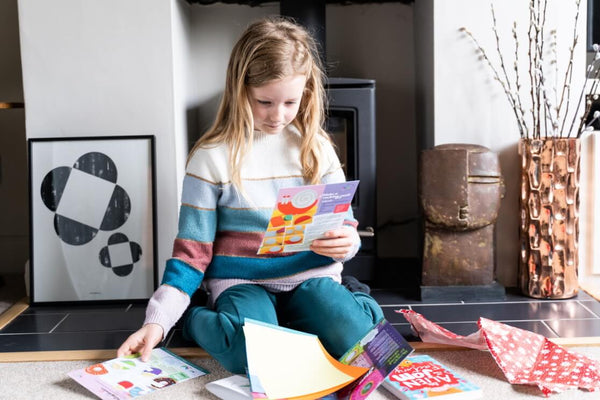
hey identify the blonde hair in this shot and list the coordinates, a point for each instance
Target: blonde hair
(270, 49)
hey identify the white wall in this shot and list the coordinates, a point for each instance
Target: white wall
(470, 107)
(103, 68)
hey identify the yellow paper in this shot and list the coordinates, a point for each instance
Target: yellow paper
(293, 364)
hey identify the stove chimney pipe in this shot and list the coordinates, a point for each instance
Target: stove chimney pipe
(311, 15)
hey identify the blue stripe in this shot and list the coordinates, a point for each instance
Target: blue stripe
(199, 193)
(263, 192)
(225, 267)
(244, 220)
(182, 276)
(198, 225)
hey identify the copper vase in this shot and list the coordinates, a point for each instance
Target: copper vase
(549, 228)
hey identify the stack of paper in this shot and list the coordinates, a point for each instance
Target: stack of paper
(288, 364)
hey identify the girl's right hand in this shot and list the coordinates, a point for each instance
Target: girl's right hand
(142, 341)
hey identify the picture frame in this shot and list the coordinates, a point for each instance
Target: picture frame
(92, 219)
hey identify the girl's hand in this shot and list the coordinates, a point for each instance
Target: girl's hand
(338, 243)
(142, 341)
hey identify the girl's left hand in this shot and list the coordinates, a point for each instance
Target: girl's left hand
(337, 243)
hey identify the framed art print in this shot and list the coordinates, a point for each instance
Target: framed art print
(92, 218)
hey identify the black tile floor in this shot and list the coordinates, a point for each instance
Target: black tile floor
(87, 327)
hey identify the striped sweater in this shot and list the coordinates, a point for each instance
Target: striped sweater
(220, 230)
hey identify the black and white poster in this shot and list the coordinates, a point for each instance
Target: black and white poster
(92, 204)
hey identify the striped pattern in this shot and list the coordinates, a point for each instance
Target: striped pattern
(220, 230)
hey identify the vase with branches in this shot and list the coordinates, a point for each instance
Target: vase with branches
(551, 118)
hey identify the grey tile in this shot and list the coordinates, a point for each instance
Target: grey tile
(78, 308)
(505, 311)
(467, 328)
(102, 321)
(575, 327)
(389, 312)
(63, 341)
(534, 326)
(515, 294)
(593, 306)
(395, 297)
(33, 323)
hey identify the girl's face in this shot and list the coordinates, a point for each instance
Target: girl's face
(275, 104)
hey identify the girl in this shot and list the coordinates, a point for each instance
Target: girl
(267, 135)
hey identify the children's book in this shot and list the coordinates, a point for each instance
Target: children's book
(423, 377)
(381, 350)
(128, 377)
(304, 213)
(288, 364)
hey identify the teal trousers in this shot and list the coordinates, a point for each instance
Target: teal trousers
(319, 306)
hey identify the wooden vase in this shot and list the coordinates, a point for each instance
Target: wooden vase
(549, 208)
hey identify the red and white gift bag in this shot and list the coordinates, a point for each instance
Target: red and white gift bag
(524, 357)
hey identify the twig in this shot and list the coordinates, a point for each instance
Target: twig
(569, 74)
(516, 98)
(509, 95)
(517, 81)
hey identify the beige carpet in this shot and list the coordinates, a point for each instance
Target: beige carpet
(49, 380)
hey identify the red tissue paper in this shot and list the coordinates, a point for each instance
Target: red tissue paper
(524, 357)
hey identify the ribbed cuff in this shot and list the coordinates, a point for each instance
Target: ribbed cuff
(165, 307)
(355, 247)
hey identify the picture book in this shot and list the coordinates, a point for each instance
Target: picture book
(128, 377)
(422, 377)
(288, 364)
(304, 213)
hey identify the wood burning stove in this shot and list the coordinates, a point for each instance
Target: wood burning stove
(351, 124)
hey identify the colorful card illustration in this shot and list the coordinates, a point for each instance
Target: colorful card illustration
(423, 377)
(304, 213)
(381, 350)
(128, 377)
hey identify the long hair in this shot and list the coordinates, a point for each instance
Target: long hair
(270, 49)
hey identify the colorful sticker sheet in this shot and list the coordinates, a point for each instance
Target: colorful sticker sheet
(128, 377)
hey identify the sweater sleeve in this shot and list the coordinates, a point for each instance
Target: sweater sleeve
(165, 307)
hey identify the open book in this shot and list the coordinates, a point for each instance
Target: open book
(288, 364)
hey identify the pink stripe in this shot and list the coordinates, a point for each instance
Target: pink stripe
(241, 244)
(351, 223)
(197, 254)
